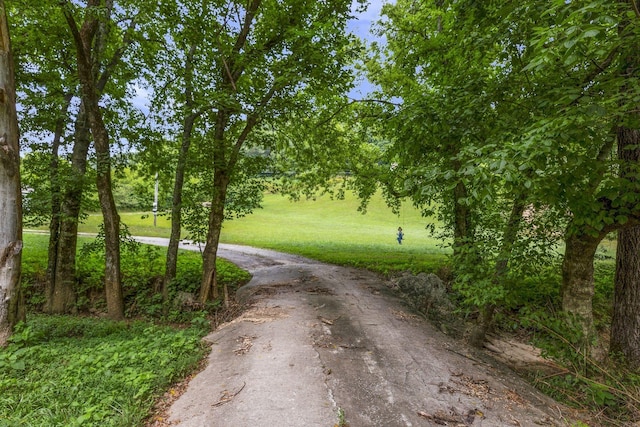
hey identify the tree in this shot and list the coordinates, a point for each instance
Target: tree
(596, 45)
(56, 123)
(182, 74)
(84, 40)
(181, 71)
(625, 322)
(459, 101)
(46, 80)
(266, 59)
(10, 192)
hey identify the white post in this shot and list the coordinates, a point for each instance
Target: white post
(155, 202)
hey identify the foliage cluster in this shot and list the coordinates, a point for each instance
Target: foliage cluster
(142, 269)
(84, 371)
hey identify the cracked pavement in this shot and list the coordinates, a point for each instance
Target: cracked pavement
(319, 340)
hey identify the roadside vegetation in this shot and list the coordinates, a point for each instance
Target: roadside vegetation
(87, 370)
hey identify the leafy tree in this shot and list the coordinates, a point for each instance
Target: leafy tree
(181, 73)
(46, 83)
(56, 122)
(454, 147)
(90, 41)
(508, 108)
(238, 68)
(596, 93)
(11, 198)
(83, 37)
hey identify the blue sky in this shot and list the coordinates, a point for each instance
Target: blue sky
(362, 24)
(361, 27)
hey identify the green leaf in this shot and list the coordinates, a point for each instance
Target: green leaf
(18, 365)
(591, 33)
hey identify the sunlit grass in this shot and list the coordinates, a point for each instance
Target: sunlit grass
(325, 229)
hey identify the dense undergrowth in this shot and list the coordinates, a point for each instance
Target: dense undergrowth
(85, 370)
(81, 371)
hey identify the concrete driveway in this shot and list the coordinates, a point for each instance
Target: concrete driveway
(322, 345)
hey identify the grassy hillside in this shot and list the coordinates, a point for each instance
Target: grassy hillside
(325, 229)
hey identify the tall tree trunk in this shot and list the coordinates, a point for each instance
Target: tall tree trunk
(509, 236)
(56, 190)
(462, 225)
(176, 205)
(208, 287)
(63, 297)
(577, 276)
(65, 210)
(625, 323)
(112, 276)
(176, 208)
(11, 310)
(83, 39)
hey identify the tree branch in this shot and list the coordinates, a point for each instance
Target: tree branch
(252, 121)
(354, 101)
(117, 56)
(635, 8)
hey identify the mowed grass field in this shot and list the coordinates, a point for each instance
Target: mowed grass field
(326, 229)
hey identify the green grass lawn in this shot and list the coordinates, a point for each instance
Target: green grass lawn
(324, 229)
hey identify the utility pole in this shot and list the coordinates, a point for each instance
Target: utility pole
(155, 202)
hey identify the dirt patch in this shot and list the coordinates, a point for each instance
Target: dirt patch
(268, 290)
(260, 314)
(246, 342)
(452, 417)
(405, 317)
(520, 357)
